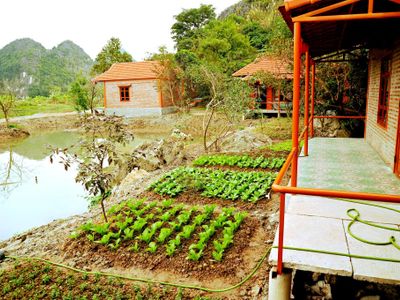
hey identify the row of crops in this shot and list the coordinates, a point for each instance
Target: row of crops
(164, 226)
(241, 161)
(228, 185)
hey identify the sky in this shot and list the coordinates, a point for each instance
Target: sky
(141, 25)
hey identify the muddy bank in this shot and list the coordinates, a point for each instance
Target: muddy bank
(7, 134)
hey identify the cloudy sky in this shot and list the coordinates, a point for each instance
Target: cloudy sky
(142, 25)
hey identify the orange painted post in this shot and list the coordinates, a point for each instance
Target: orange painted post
(312, 96)
(281, 231)
(296, 99)
(306, 104)
(370, 6)
(279, 103)
(105, 95)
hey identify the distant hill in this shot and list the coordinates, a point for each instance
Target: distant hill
(242, 8)
(34, 70)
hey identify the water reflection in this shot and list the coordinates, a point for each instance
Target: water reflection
(10, 173)
(33, 191)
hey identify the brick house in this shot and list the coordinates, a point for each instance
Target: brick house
(132, 89)
(269, 98)
(383, 114)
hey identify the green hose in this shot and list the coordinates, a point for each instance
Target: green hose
(145, 280)
(354, 214)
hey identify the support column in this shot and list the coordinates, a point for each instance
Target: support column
(312, 96)
(306, 99)
(279, 103)
(279, 285)
(105, 95)
(296, 100)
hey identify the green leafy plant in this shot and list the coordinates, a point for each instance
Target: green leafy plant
(134, 247)
(152, 247)
(165, 233)
(194, 255)
(229, 185)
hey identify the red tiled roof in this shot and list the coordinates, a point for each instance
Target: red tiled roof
(268, 64)
(130, 70)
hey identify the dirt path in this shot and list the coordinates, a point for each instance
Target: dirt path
(39, 116)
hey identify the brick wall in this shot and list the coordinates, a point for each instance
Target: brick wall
(143, 94)
(383, 139)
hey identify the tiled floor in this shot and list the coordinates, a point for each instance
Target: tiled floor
(321, 223)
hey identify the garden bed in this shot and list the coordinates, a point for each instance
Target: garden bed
(38, 280)
(88, 249)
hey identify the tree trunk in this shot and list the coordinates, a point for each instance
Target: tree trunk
(103, 209)
(205, 130)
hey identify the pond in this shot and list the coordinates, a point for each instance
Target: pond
(33, 191)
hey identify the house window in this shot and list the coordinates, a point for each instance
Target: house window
(384, 89)
(124, 93)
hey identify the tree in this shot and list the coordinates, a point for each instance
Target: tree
(85, 94)
(7, 104)
(99, 161)
(228, 98)
(188, 23)
(257, 34)
(224, 44)
(171, 78)
(110, 54)
(342, 87)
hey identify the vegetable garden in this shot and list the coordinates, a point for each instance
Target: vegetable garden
(195, 221)
(154, 226)
(241, 161)
(228, 185)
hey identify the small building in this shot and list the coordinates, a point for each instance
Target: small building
(132, 89)
(268, 99)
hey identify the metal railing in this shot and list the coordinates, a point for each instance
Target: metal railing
(294, 190)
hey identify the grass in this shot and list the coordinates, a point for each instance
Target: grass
(276, 128)
(285, 145)
(34, 280)
(31, 106)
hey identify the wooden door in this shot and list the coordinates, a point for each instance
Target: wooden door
(270, 97)
(397, 154)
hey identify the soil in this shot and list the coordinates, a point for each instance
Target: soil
(50, 281)
(7, 134)
(194, 198)
(86, 254)
(251, 241)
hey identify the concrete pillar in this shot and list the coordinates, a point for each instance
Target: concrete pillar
(280, 285)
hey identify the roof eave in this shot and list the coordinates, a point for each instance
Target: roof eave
(125, 79)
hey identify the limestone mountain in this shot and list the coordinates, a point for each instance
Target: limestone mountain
(34, 70)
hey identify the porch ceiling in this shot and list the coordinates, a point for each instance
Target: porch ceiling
(330, 36)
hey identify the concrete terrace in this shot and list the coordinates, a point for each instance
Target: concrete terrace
(321, 223)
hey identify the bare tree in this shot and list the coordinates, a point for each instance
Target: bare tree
(229, 98)
(7, 104)
(171, 79)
